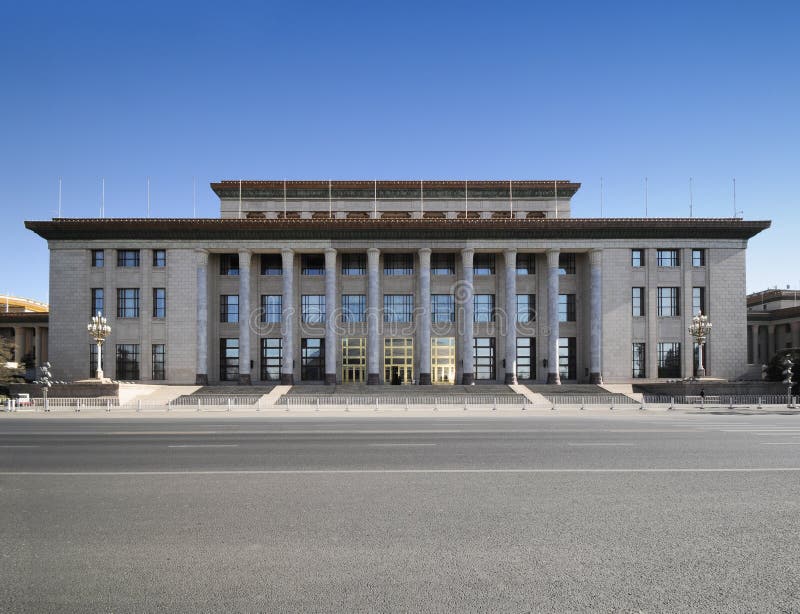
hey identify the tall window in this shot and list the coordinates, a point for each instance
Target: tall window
(483, 264)
(668, 257)
(526, 264)
(128, 257)
(312, 264)
(92, 360)
(271, 264)
(638, 360)
(668, 302)
(442, 308)
(312, 308)
(567, 358)
(159, 259)
(127, 302)
(354, 264)
(97, 301)
(443, 264)
(484, 355)
(128, 361)
(398, 360)
(354, 308)
(398, 307)
(566, 264)
(271, 358)
(526, 357)
(669, 359)
(271, 308)
(698, 257)
(228, 359)
(637, 258)
(637, 302)
(98, 259)
(484, 308)
(398, 264)
(526, 308)
(698, 300)
(159, 302)
(229, 308)
(312, 359)
(566, 307)
(159, 355)
(229, 264)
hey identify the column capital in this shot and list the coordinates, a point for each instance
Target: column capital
(374, 251)
(244, 251)
(595, 257)
(287, 251)
(330, 250)
(510, 251)
(202, 256)
(425, 250)
(552, 257)
(468, 251)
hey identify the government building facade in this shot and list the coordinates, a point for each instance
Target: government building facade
(404, 282)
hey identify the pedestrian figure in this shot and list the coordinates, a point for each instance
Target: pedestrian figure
(702, 396)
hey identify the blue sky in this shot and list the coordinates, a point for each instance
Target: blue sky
(400, 90)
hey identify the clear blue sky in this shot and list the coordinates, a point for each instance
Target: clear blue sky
(400, 90)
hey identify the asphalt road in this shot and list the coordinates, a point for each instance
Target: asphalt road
(536, 513)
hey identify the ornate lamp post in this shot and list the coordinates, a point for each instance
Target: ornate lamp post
(99, 330)
(700, 330)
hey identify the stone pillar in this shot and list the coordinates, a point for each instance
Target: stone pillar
(373, 315)
(553, 376)
(511, 316)
(753, 331)
(795, 334)
(770, 343)
(37, 331)
(244, 316)
(288, 318)
(595, 316)
(201, 378)
(19, 344)
(331, 312)
(465, 295)
(424, 322)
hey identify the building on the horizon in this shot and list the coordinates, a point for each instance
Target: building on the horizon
(773, 323)
(397, 281)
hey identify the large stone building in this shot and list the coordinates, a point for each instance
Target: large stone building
(773, 323)
(24, 321)
(397, 281)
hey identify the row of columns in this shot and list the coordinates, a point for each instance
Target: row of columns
(34, 337)
(464, 295)
(772, 341)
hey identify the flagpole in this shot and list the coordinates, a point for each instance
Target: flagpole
(466, 199)
(555, 189)
(148, 196)
(194, 197)
(421, 199)
(59, 197)
(284, 199)
(601, 197)
(330, 201)
(375, 201)
(240, 199)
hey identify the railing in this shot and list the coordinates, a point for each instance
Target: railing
(717, 400)
(216, 400)
(343, 401)
(594, 399)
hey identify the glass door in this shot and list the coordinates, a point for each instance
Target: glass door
(354, 360)
(443, 360)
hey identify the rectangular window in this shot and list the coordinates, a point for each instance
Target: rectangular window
(159, 302)
(98, 296)
(698, 300)
(398, 360)
(668, 257)
(566, 307)
(484, 308)
(229, 308)
(566, 264)
(668, 302)
(443, 264)
(271, 359)
(92, 360)
(354, 308)
(526, 308)
(229, 264)
(354, 360)
(271, 308)
(312, 264)
(159, 361)
(229, 359)
(442, 308)
(637, 302)
(443, 360)
(526, 264)
(484, 356)
(398, 264)
(127, 361)
(159, 259)
(526, 358)
(567, 358)
(354, 264)
(127, 257)
(638, 360)
(669, 359)
(312, 308)
(98, 259)
(271, 264)
(398, 307)
(483, 264)
(637, 258)
(698, 257)
(127, 302)
(312, 359)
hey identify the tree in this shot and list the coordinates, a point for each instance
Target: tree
(8, 374)
(775, 368)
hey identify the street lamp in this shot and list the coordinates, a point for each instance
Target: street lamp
(99, 330)
(700, 330)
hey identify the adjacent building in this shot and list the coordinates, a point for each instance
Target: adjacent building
(773, 323)
(25, 321)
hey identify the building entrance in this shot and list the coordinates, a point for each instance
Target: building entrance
(398, 360)
(354, 360)
(443, 360)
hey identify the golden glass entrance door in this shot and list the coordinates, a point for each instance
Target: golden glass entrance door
(398, 360)
(354, 360)
(443, 360)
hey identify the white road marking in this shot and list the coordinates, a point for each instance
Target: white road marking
(599, 443)
(205, 445)
(386, 445)
(780, 443)
(16, 446)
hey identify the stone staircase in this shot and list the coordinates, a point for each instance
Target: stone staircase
(557, 394)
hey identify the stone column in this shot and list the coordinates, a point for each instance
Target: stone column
(511, 316)
(201, 378)
(244, 316)
(331, 312)
(373, 315)
(553, 376)
(466, 296)
(288, 318)
(770, 343)
(753, 331)
(795, 334)
(595, 316)
(19, 344)
(37, 331)
(424, 321)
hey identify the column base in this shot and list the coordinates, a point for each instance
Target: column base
(201, 379)
(287, 379)
(330, 379)
(554, 378)
(244, 379)
(424, 379)
(467, 379)
(701, 373)
(372, 379)
(595, 378)
(511, 379)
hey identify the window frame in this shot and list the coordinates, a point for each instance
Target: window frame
(312, 265)
(98, 256)
(267, 265)
(271, 310)
(484, 263)
(95, 299)
(673, 370)
(312, 308)
(159, 303)
(349, 315)
(128, 258)
(393, 314)
(158, 361)
(668, 303)
(569, 310)
(443, 263)
(638, 302)
(124, 308)
(530, 268)
(527, 309)
(638, 360)
(668, 258)
(396, 264)
(268, 362)
(698, 257)
(484, 308)
(443, 314)
(526, 371)
(226, 265)
(226, 308)
(484, 367)
(354, 263)
(567, 263)
(159, 258)
(637, 254)
(127, 369)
